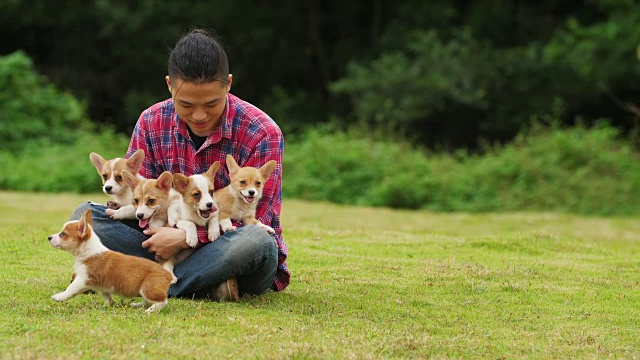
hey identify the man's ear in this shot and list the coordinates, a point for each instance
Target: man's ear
(168, 80)
(229, 81)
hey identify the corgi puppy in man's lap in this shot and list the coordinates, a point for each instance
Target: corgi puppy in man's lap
(239, 199)
(155, 202)
(153, 199)
(197, 205)
(113, 183)
(107, 272)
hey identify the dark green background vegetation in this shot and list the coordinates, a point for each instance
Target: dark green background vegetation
(489, 105)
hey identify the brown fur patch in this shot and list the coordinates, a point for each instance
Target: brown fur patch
(129, 276)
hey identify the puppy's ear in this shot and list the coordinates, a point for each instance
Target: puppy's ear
(267, 169)
(130, 179)
(180, 182)
(213, 170)
(135, 161)
(97, 161)
(232, 165)
(165, 181)
(83, 225)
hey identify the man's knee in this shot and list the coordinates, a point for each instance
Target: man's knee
(261, 241)
(77, 213)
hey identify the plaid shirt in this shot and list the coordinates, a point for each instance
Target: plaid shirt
(244, 131)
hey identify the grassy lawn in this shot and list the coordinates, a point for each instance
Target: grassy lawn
(366, 283)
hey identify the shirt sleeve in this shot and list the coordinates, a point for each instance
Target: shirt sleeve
(270, 147)
(140, 140)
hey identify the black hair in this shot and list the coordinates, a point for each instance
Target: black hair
(198, 57)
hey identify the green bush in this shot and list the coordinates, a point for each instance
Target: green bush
(590, 171)
(53, 167)
(45, 138)
(32, 108)
(581, 170)
(345, 168)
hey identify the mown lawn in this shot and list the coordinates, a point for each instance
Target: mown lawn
(367, 283)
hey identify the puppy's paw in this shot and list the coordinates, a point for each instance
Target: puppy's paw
(60, 297)
(153, 308)
(119, 214)
(268, 228)
(213, 235)
(192, 240)
(139, 304)
(228, 228)
(113, 205)
(174, 279)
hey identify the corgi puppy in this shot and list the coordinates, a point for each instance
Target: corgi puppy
(155, 202)
(239, 199)
(114, 185)
(197, 205)
(100, 269)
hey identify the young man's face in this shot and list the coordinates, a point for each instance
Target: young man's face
(199, 105)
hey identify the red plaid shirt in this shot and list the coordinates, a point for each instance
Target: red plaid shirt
(244, 131)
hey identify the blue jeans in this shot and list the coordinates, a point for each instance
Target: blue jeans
(249, 253)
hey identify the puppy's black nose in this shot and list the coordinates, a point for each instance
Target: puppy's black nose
(50, 237)
(209, 205)
(108, 188)
(251, 192)
(139, 215)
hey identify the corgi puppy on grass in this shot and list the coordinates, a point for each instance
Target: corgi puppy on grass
(239, 199)
(114, 185)
(100, 269)
(197, 205)
(155, 202)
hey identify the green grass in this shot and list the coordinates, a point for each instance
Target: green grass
(366, 283)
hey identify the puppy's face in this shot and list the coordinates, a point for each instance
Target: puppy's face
(197, 191)
(111, 171)
(249, 182)
(149, 196)
(73, 234)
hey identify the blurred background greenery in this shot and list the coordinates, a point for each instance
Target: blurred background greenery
(491, 105)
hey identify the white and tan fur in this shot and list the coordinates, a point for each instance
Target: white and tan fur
(113, 184)
(155, 202)
(108, 272)
(239, 199)
(197, 205)
(153, 199)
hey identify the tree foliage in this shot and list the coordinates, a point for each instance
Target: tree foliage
(443, 73)
(32, 107)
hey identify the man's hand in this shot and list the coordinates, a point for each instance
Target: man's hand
(165, 242)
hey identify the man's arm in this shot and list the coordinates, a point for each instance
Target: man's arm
(270, 147)
(140, 140)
